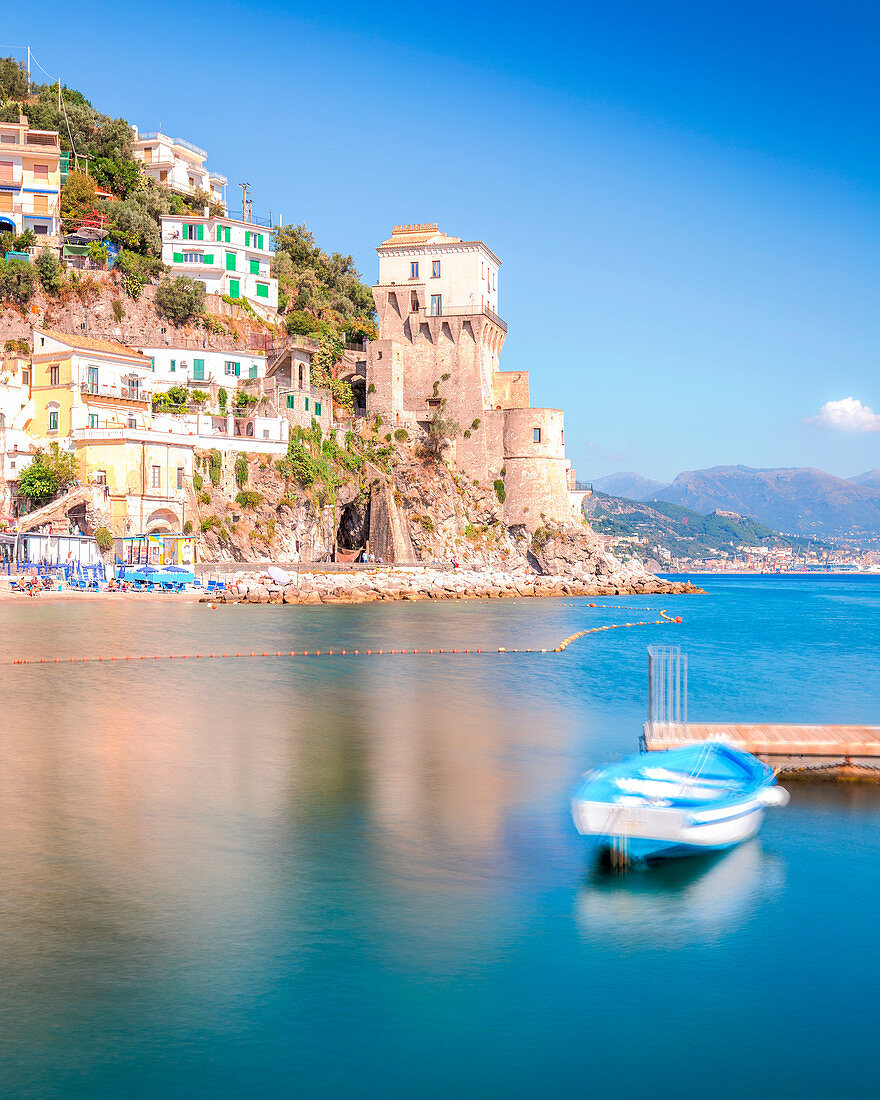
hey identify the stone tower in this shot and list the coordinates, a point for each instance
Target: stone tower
(440, 339)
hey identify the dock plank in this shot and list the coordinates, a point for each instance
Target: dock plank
(768, 739)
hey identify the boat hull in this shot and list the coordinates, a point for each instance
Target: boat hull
(646, 833)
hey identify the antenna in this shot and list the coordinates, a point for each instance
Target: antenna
(29, 69)
(244, 201)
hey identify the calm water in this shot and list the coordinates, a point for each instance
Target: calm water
(354, 877)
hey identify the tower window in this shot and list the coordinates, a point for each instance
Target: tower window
(414, 269)
(536, 435)
(435, 269)
(414, 303)
(436, 305)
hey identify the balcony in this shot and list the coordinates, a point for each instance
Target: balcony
(126, 395)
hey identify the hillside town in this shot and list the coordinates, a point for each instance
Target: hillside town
(153, 342)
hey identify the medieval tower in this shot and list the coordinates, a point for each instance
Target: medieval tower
(440, 340)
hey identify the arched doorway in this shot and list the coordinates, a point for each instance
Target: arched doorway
(162, 522)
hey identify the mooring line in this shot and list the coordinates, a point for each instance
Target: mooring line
(330, 652)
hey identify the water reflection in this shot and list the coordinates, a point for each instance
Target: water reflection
(681, 901)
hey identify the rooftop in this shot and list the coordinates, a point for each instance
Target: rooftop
(426, 233)
(91, 343)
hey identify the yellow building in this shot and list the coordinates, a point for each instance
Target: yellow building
(30, 180)
(92, 395)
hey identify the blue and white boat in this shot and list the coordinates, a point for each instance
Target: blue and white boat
(702, 798)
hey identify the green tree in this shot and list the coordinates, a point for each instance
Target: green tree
(79, 199)
(49, 473)
(13, 79)
(49, 271)
(327, 285)
(180, 299)
(17, 281)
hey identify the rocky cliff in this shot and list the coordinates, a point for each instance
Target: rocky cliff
(405, 505)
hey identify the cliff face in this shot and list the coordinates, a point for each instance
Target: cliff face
(410, 508)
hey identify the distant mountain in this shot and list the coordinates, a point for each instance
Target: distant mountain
(682, 532)
(797, 501)
(871, 478)
(630, 485)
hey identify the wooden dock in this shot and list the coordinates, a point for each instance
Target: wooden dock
(832, 751)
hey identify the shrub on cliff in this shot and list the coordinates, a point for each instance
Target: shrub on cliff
(241, 471)
(180, 299)
(17, 281)
(48, 271)
(248, 498)
(500, 491)
(300, 323)
(104, 538)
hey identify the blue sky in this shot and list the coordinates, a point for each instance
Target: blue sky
(683, 195)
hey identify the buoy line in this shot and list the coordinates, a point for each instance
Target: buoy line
(664, 619)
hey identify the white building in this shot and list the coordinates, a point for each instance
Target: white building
(188, 366)
(447, 274)
(177, 165)
(230, 257)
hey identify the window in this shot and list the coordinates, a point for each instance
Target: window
(414, 269)
(536, 435)
(53, 376)
(53, 421)
(41, 230)
(223, 234)
(198, 370)
(156, 480)
(414, 302)
(252, 372)
(173, 366)
(435, 269)
(306, 404)
(92, 380)
(41, 204)
(26, 377)
(132, 423)
(100, 477)
(262, 290)
(180, 473)
(192, 257)
(93, 420)
(6, 201)
(232, 368)
(234, 288)
(317, 408)
(291, 401)
(193, 232)
(255, 267)
(41, 172)
(436, 305)
(230, 261)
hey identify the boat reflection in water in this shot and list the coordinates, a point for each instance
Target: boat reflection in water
(679, 902)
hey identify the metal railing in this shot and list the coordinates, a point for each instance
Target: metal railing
(128, 393)
(667, 684)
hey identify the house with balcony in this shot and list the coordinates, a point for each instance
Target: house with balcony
(230, 257)
(30, 180)
(178, 165)
(80, 382)
(202, 368)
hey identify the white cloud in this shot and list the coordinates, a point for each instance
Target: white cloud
(847, 415)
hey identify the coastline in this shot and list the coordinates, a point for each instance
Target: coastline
(317, 586)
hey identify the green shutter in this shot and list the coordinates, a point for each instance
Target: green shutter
(307, 404)
(199, 370)
(178, 257)
(291, 401)
(218, 231)
(208, 258)
(262, 290)
(252, 373)
(317, 408)
(234, 288)
(201, 232)
(228, 231)
(230, 262)
(247, 239)
(173, 364)
(237, 370)
(255, 267)
(260, 239)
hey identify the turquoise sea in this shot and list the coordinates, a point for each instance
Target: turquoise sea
(358, 876)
